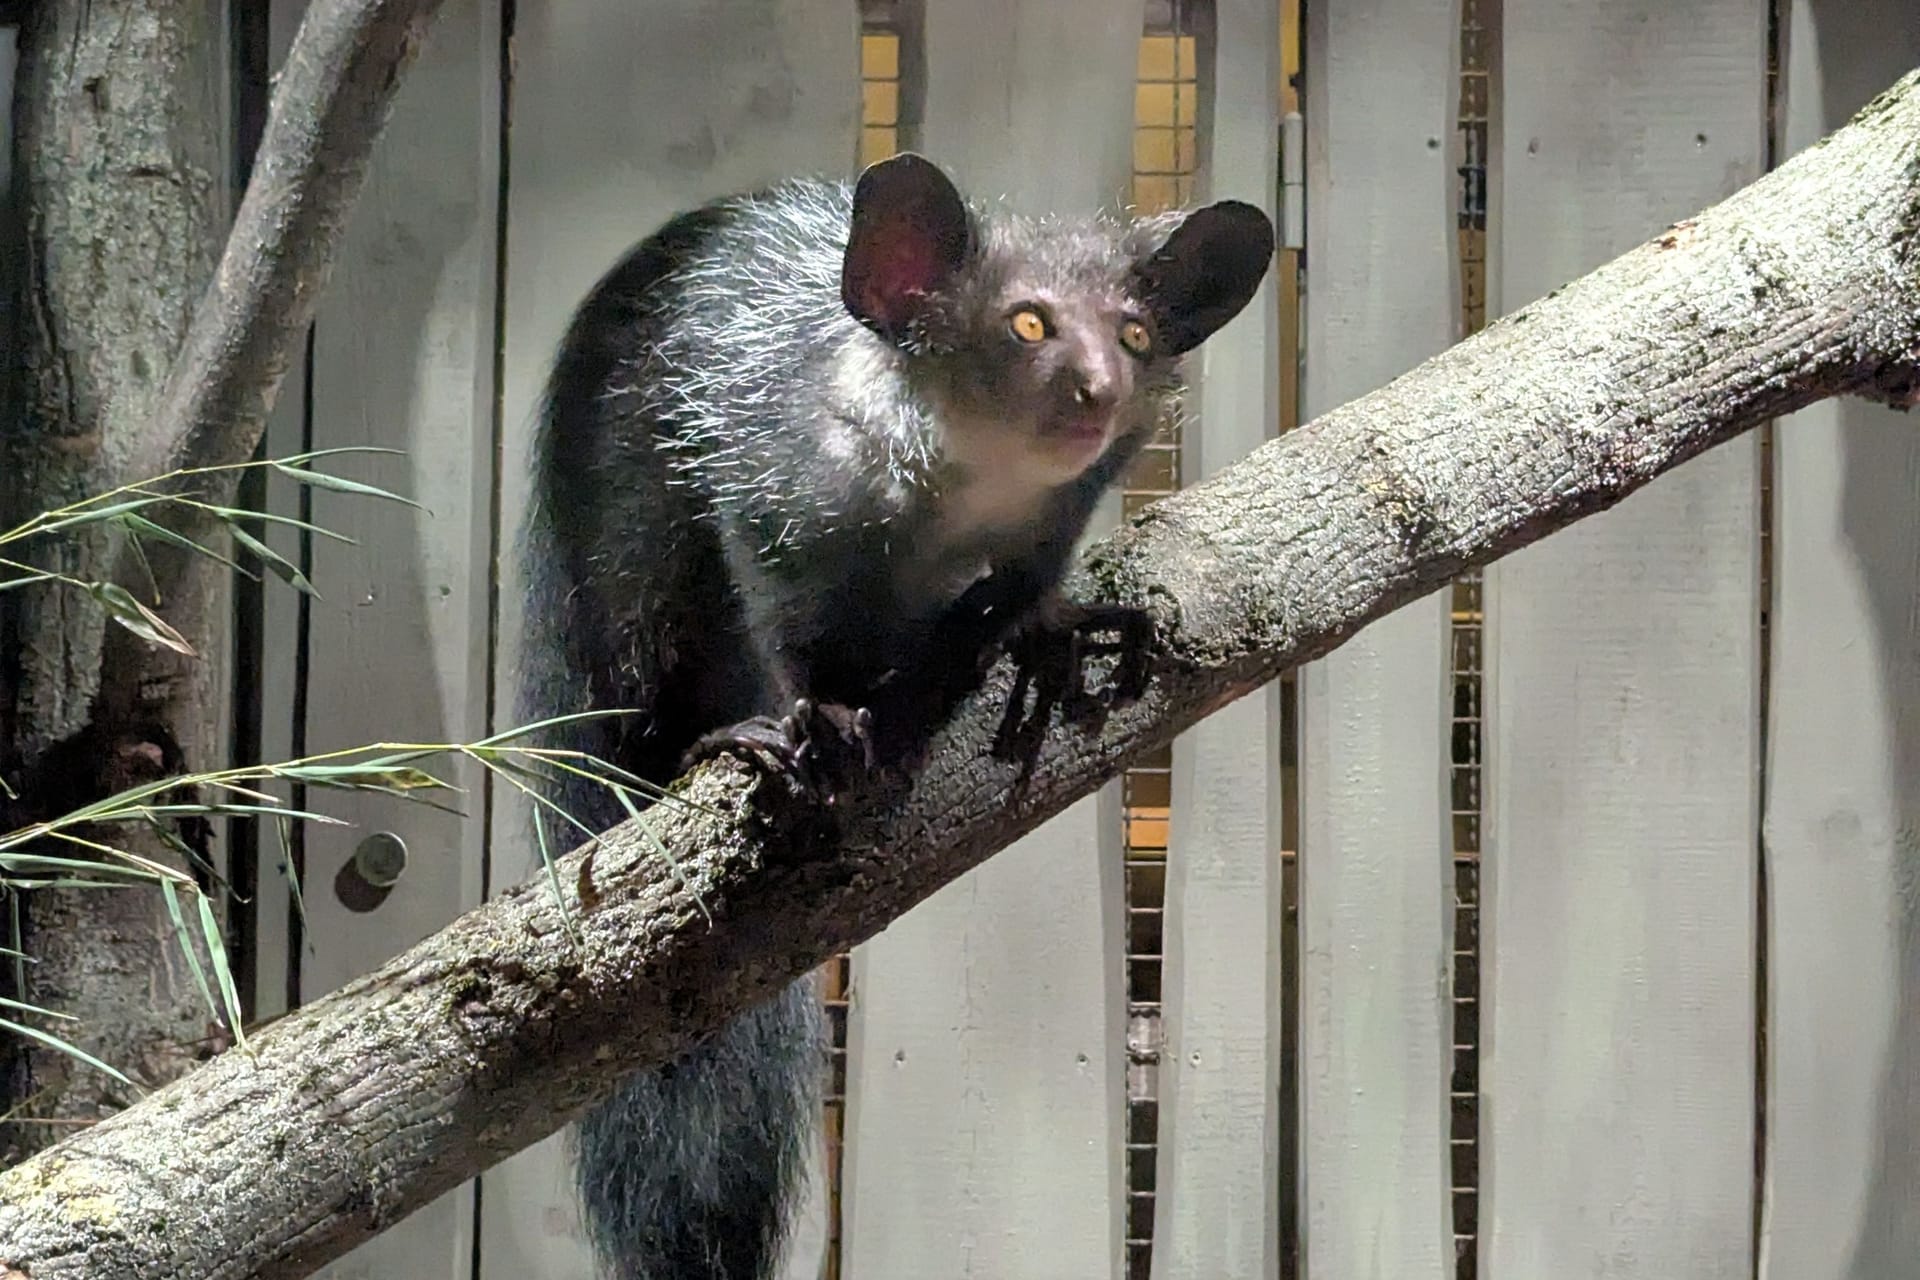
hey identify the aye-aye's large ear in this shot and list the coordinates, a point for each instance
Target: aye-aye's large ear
(910, 234)
(1203, 273)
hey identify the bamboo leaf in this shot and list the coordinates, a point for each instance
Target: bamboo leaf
(340, 484)
(338, 450)
(28, 580)
(366, 777)
(217, 950)
(94, 515)
(137, 618)
(31, 862)
(232, 515)
(186, 946)
(553, 876)
(55, 1042)
(283, 568)
(140, 527)
(551, 722)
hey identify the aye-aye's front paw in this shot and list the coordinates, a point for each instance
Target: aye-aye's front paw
(815, 745)
(1051, 655)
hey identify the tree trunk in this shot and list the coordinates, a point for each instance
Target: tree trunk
(350, 1113)
(121, 179)
(122, 138)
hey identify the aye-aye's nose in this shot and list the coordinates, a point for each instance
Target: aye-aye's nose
(1096, 385)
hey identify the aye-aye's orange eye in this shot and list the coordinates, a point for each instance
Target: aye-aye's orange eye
(1027, 325)
(1135, 338)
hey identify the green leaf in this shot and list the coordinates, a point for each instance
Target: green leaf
(283, 568)
(338, 450)
(553, 876)
(186, 946)
(28, 580)
(24, 1007)
(371, 776)
(340, 484)
(230, 809)
(137, 618)
(14, 936)
(141, 527)
(31, 862)
(55, 1042)
(233, 515)
(217, 949)
(96, 515)
(521, 731)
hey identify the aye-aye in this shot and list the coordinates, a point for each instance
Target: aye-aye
(807, 456)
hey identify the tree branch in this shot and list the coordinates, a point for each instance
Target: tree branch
(354, 1111)
(330, 103)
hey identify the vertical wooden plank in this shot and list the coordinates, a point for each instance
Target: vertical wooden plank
(1375, 882)
(622, 116)
(1623, 679)
(1217, 1177)
(397, 645)
(987, 1072)
(1843, 778)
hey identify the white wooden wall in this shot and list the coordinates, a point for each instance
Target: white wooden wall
(1218, 1163)
(1376, 852)
(1623, 927)
(1623, 673)
(402, 357)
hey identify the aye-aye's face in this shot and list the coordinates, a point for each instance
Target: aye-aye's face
(1044, 369)
(1041, 343)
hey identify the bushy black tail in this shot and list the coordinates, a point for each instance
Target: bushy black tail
(690, 1171)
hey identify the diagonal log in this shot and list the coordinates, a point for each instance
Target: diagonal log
(365, 1105)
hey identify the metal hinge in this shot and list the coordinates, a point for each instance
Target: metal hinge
(1293, 181)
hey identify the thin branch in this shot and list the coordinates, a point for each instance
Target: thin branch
(330, 103)
(362, 1107)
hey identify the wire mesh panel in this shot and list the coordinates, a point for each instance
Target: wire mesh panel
(1479, 32)
(879, 83)
(1165, 116)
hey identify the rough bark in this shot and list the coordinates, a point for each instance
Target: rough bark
(122, 184)
(121, 149)
(350, 1113)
